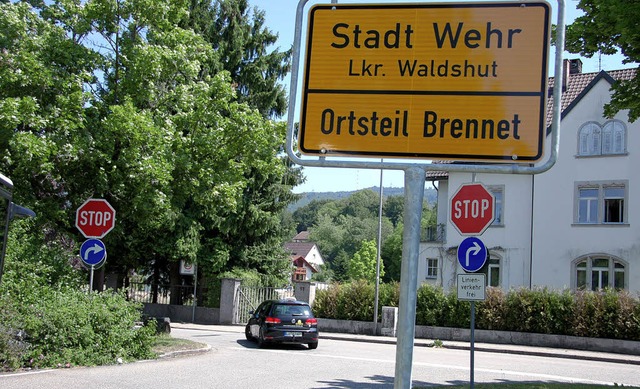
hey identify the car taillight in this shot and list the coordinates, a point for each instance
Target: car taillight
(271, 320)
(311, 321)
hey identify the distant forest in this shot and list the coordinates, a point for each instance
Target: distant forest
(430, 195)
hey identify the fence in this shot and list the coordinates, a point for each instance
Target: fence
(166, 294)
(248, 298)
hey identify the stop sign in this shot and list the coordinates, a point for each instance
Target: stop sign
(95, 218)
(472, 209)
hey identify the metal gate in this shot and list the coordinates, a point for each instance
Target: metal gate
(248, 298)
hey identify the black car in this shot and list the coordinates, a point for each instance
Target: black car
(283, 321)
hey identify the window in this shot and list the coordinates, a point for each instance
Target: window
(597, 272)
(432, 267)
(607, 140)
(498, 194)
(601, 202)
(491, 270)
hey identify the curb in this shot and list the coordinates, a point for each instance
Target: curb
(485, 348)
(171, 354)
(453, 345)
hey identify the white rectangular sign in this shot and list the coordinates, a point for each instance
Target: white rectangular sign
(471, 286)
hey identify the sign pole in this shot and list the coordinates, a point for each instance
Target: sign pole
(91, 279)
(473, 339)
(195, 296)
(413, 196)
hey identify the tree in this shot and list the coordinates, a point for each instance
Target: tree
(144, 119)
(392, 254)
(307, 216)
(364, 262)
(238, 35)
(339, 233)
(393, 209)
(609, 27)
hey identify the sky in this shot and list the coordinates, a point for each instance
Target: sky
(280, 18)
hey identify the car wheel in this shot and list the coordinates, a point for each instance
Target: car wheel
(247, 332)
(313, 346)
(261, 342)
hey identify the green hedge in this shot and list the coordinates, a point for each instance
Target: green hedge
(607, 314)
(47, 320)
(70, 328)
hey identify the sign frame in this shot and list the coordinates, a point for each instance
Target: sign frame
(321, 134)
(472, 254)
(477, 282)
(80, 226)
(95, 255)
(459, 223)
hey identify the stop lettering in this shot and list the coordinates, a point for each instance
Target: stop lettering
(471, 208)
(94, 218)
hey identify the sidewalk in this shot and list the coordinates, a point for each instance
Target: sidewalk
(479, 347)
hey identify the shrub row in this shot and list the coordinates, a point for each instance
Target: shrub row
(607, 314)
(47, 320)
(69, 328)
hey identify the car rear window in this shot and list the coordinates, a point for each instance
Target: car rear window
(292, 310)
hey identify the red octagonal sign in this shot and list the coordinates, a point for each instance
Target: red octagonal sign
(95, 218)
(472, 208)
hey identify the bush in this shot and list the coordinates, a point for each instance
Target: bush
(12, 344)
(607, 314)
(352, 301)
(539, 311)
(491, 313)
(69, 327)
(430, 305)
(47, 321)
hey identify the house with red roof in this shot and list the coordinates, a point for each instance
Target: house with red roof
(575, 226)
(305, 256)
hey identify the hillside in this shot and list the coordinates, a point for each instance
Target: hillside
(430, 195)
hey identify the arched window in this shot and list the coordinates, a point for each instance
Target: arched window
(608, 140)
(491, 270)
(599, 271)
(589, 139)
(614, 138)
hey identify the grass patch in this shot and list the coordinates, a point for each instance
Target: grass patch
(164, 343)
(532, 386)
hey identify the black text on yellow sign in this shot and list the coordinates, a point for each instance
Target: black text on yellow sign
(465, 81)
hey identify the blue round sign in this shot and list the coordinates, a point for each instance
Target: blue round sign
(92, 252)
(472, 254)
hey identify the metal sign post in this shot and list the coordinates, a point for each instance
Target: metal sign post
(414, 180)
(335, 124)
(91, 278)
(471, 287)
(473, 341)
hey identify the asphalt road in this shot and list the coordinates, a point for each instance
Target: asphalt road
(233, 362)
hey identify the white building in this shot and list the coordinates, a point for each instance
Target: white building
(574, 226)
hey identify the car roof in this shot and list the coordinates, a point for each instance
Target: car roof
(291, 301)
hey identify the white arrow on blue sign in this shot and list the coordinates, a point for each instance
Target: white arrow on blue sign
(472, 254)
(92, 252)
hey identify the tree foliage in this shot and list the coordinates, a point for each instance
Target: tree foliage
(363, 265)
(125, 100)
(610, 27)
(339, 228)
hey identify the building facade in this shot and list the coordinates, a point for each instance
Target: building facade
(575, 226)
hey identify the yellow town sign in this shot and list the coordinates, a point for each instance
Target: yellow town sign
(463, 81)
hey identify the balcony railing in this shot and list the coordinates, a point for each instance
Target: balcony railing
(434, 233)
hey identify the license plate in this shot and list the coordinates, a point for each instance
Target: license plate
(293, 334)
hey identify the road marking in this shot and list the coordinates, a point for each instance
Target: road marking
(549, 377)
(9, 375)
